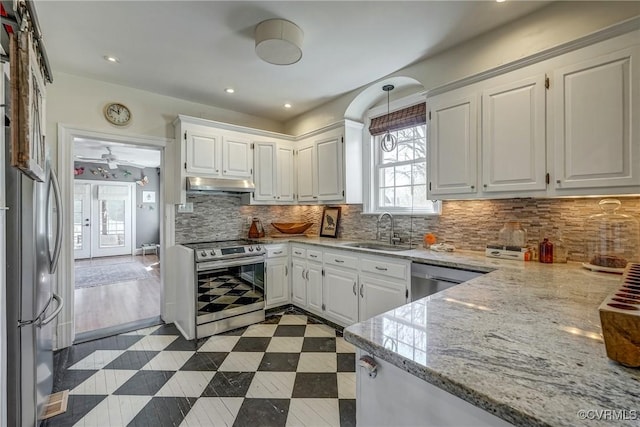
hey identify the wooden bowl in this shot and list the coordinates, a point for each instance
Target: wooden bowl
(292, 227)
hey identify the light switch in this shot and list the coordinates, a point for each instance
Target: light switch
(185, 208)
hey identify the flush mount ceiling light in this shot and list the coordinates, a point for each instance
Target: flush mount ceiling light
(388, 142)
(229, 90)
(279, 42)
(111, 59)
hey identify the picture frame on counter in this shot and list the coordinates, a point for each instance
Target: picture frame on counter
(330, 222)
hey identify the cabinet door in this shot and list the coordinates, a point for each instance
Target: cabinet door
(513, 136)
(265, 174)
(305, 180)
(277, 273)
(203, 154)
(596, 138)
(328, 169)
(340, 295)
(379, 295)
(236, 157)
(284, 173)
(453, 144)
(299, 283)
(314, 287)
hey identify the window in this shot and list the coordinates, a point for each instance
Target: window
(400, 176)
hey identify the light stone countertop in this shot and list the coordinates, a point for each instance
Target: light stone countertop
(522, 342)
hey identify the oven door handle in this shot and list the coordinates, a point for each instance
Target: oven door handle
(218, 265)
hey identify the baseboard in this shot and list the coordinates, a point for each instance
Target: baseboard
(116, 330)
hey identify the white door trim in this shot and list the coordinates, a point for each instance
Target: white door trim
(85, 252)
(64, 331)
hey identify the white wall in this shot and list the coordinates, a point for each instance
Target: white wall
(79, 102)
(555, 24)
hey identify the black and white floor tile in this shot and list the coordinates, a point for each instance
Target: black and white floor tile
(287, 371)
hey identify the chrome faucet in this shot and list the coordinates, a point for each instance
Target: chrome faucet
(393, 239)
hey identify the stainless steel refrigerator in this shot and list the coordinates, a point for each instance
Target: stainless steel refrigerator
(33, 239)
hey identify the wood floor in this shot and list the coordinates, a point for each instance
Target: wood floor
(116, 304)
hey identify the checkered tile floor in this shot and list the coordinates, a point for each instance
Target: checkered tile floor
(218, 293)
(287, 371)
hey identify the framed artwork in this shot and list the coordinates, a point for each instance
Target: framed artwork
(330, 220)
(28, 146)
(148, 197)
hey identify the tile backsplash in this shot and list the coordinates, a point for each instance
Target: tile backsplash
(469, 224)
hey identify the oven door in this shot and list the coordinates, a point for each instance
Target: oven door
(229, 288)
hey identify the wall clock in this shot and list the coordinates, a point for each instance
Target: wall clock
(117, 114)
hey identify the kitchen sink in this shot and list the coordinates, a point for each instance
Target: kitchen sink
(379, 246)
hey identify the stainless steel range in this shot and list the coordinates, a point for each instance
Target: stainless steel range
(226, 283)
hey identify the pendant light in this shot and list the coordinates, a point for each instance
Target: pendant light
(388, 142)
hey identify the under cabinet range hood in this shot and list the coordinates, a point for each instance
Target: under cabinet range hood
(219, 185)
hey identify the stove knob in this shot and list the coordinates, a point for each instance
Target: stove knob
(250, 248)
(258, 248)
(213, 253)
(203, 253)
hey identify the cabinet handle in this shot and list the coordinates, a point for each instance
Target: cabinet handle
(277, 252)
(313, 256)
(297, 253)
(473, 186)
(339, 261)
(302, 274)
(362, 290)
(354, 289)
(315, 197)
(286, 270)
(381, 268)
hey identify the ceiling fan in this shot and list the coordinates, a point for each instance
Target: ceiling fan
(110, 159)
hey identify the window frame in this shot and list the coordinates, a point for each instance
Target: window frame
(372, 165)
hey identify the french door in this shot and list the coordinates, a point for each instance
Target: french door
(103, 219)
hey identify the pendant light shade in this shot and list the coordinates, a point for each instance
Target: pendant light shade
(388, 141)
(279, 42)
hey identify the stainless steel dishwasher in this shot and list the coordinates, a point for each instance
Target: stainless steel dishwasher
(428, 279)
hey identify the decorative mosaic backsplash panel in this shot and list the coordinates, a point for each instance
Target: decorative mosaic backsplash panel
(465, 224)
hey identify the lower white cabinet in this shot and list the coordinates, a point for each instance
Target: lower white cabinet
(299, 282)
(340, 291)
(379, 295)
(277, 281)
(314, 287)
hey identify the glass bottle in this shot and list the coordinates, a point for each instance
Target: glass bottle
(512, 234)
(560, 251)
(545, 251)
(612, 239)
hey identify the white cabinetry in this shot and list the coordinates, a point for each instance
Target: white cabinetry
(202, 151)
(513, 136)
(340, 291)
(306, 289)
(273, 172)
(277, 275)
(384, 285)
(453, 143)
(560, 127)
(299, 282)
(597, 138)
(237, 158)
(321, 157)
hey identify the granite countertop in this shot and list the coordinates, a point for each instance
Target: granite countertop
(522, 342)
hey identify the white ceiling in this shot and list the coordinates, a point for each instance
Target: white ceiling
(126, 155)
(193, 50)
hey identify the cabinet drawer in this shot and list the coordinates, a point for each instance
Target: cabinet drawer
(341, 260)
(298, 252)
(275, 251)
(385, 268)
(314, 255)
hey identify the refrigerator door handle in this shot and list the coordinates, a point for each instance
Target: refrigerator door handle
(53, 315)
(59, 220)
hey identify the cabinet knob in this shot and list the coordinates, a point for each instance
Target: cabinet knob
(315, 197)
(473, 187)
(274, 197)
(217, 170)
(558, 182)
(224, 171)
(484, 185)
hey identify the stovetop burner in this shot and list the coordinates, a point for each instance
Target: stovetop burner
(225, 249)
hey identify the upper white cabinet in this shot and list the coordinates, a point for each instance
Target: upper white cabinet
(597, 139)
(513, 136)
(202, 151)
(321, 163)
(561, 127)
(273, 174)
(453, 143)
(237, 157)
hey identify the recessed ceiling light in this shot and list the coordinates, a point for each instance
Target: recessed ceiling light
(500, 1)
(111, 58)
(287, 105)
(229, 90)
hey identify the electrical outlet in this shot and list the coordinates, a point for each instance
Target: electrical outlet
(186, 208)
